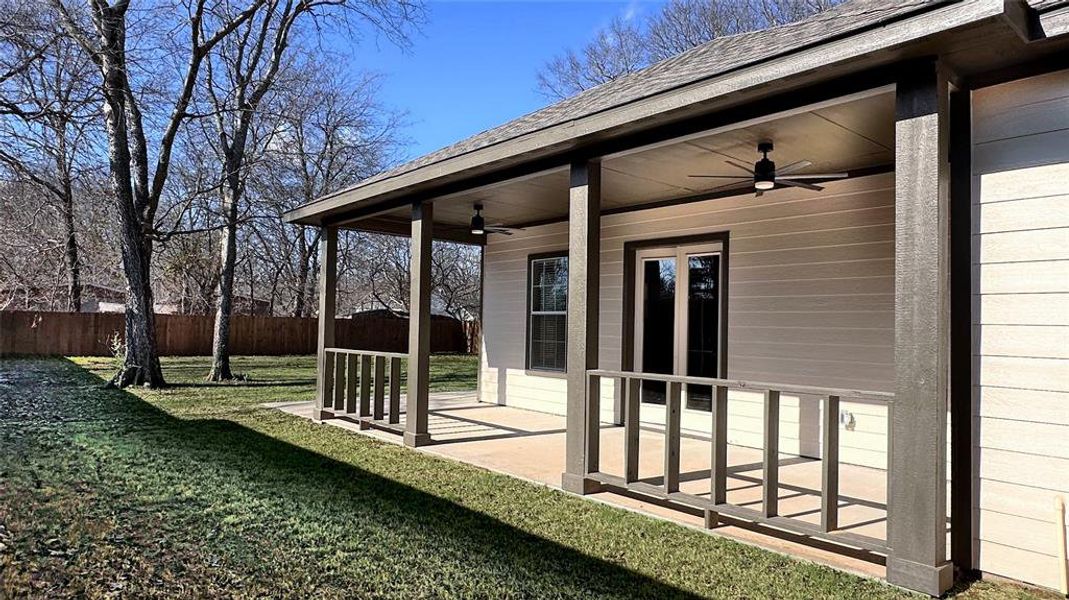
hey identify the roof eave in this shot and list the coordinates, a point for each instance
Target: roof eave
(852, 52)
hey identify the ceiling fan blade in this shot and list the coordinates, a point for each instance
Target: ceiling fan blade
(740, 166)
(728, 186)
(499, 230)
(808, 186)
(791, 168)
(719, 176)
(820, 176)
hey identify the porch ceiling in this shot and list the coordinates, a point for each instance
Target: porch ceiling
(854, 135)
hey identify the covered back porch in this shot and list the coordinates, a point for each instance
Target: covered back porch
(892, 133)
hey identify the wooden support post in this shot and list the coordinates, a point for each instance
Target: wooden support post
(770, 504)
(339, 382)
(395, 390)
(584, 256)
(328, 289)
(352, 364)
(719, 460)
(916, 498)
(632, 395)
(419, 326)
(380, 388)
(829, 497)
(673, 410)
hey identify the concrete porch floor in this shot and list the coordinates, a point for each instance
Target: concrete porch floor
(530, 445)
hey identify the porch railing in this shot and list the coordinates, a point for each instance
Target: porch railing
(356, 383)
(716, 504)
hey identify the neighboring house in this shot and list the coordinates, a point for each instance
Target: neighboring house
(95, 298)
(901, 273)
(104, 299)
(242, 305)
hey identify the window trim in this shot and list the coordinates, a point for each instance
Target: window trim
(531, 258)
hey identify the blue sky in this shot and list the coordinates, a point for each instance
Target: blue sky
(474, 64)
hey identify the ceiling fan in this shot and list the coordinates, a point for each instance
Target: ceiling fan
(765, 176)
(479, 226)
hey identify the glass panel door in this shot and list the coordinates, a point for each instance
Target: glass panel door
(703, 326)
(678, 321)
(658, 324)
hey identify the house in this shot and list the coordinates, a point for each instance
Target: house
(95, 298)
(844, 238)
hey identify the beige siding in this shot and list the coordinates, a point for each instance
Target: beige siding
(1021, 332)
(811, 288)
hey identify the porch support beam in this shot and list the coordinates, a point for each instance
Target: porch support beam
(584, 249)
(328, 290)
(916, 502)
(419, 326)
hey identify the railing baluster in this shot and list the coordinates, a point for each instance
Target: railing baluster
(328, 380)
(351, 365)
(339, 382)
(365, 385)
(829, 499)
(395, 390)
(632, 393)
(771, 459)
(719, 460)
(380, 386)
(671, 438)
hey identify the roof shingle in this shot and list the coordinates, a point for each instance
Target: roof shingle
(713, 58)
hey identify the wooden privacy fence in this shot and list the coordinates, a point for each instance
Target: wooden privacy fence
(89, 334)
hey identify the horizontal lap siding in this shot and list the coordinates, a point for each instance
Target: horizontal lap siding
(811, 302)
(1021, 323)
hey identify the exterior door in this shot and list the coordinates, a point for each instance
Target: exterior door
(678, 325)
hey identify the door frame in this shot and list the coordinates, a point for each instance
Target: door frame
(631, 249)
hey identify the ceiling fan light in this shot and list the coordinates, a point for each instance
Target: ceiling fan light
(478, 225)
(764, 174)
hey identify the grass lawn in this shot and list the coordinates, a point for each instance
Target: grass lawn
(198, 491)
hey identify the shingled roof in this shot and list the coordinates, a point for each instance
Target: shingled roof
(713, 58)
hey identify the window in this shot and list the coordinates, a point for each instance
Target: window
(547, 319)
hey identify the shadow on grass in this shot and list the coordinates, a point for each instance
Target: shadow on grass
(423, 544)
(238, 383)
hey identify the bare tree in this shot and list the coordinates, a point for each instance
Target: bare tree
(48, 133)
(241, 71)
(624, 47)
(331, 134)
(102, 32)
(618, 49)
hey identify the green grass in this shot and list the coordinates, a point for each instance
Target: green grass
(198, 491)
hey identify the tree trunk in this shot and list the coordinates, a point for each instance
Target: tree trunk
(302, 285)
(74, 267)
(225, 302)
(141, 364)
